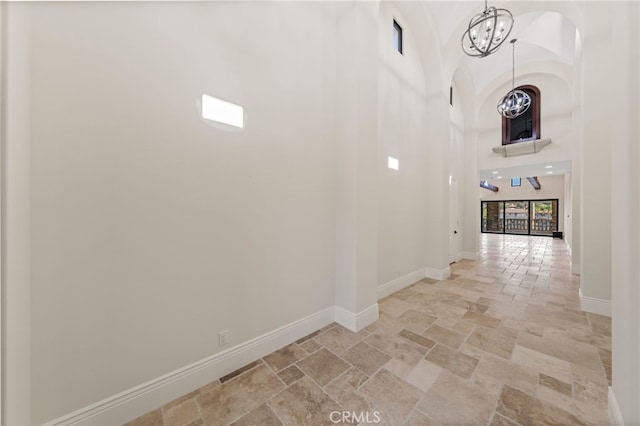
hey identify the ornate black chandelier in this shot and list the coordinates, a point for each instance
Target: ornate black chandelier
(487, 31)
(515, 102)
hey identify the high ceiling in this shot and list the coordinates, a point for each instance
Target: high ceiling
(543, 36)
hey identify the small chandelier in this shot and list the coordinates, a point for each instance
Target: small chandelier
(487, 31)
(515, 102)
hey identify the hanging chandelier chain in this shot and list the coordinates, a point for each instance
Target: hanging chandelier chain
(513, 66)
(515, 102)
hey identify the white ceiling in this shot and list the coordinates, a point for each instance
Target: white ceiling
(542, 36)
(557, 168)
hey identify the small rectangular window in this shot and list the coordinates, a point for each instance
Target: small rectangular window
(516, 181)
(397, 36)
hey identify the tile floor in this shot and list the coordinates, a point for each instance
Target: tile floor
(501, 342)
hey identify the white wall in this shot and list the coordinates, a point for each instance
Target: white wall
(356, 213)
(456, 174)
(555, 116)
(595, 163)
(153, 230)
(16, 129)
(551, 187)
(625, 211)
(402, 124)
(567, 221)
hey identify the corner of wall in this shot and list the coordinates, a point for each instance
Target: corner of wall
(595, 305)
(469, 255)
(356, 322)
(437, 274)
(615, 416)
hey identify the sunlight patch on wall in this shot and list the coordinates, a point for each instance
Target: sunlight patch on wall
(220, 111)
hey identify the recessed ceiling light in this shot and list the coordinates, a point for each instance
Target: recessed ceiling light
(548, 167)
(549, 173)
(495, 173)
(499, 177)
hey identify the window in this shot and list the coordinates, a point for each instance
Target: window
(397, 36)
(525, 127)
(451, 95)
(523, 217)
(516, 181)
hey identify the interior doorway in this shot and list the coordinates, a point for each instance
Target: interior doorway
(454, 222)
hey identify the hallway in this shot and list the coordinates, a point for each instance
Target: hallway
(501, 342)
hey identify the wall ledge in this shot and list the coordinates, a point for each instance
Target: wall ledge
(521, 148)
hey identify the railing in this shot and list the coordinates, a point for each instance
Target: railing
(520, 226)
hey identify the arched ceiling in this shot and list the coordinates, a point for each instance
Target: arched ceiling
(543, 36)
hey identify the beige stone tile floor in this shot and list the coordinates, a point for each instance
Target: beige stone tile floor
(502, 341)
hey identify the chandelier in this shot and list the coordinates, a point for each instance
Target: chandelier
(515, 102)
(487, 31)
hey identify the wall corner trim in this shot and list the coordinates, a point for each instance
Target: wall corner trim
(399, 283)
(139, 400)
(356, 322)
(437, 274)
(615, 416)
(595, 305)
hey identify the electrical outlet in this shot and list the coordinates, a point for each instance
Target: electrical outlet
(223, 337)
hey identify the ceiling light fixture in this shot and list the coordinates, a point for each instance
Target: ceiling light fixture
(487, 31)
(515, 102)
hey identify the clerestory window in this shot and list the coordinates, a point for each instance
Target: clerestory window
(525, 127)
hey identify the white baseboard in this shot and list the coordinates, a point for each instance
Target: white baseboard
(615, 416)
(455, 258)
(595, 305)
(470, 255)
(575, 268)
(139, 400)
(399, 283)
(356, 322)
(437, 274)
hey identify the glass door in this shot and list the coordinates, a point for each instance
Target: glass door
(516, 217)
(521, 217)
(544, 217)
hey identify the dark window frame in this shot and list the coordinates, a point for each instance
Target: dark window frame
(556, 213)
(397, 28)
(534, 92)
(519, 180)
